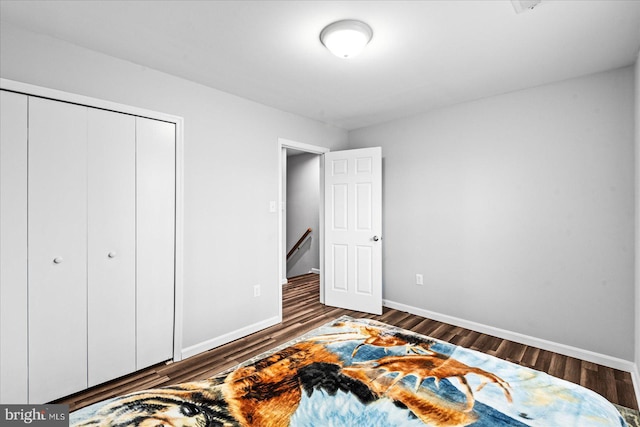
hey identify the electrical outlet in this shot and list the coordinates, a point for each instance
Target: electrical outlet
(256, 291)
(419, 279)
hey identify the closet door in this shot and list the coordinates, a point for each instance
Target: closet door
(155, 142)
(57, 249)
(112, 246)
(13, 247)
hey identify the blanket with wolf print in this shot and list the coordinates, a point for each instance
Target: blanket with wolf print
(360, 372)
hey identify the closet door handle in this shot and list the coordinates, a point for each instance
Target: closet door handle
(57, 260)
(111, 254)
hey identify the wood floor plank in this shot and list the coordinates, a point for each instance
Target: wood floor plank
(572, 370)
(302, 312)
(557, 365)
(607, 379)
(626, 395)
(530, 356)
(511, 351)
(544, 361)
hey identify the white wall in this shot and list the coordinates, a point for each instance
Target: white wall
(518, 210)
(231, 172)
(303, 204)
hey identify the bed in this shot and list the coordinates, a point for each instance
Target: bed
(360, 372)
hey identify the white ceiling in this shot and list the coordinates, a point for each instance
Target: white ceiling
(423, 55)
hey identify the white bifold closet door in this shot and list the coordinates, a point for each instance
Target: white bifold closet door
(101, 246)
(87, 245)
(57, 227)
(155, 229)
(111, 284)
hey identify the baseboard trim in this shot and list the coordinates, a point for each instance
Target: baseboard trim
(589, 356)
(315, 270)
(284, 281)
(228, 337)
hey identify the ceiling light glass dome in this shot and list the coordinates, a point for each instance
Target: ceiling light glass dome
(347, 38)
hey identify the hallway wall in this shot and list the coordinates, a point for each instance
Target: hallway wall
(303, 203)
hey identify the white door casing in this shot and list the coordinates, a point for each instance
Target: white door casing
(353, 227)
(13, 247)
(283, 145)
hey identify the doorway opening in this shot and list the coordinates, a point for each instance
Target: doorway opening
(302, 204)
(301, 208)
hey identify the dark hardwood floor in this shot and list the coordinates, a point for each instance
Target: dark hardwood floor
(302, 312)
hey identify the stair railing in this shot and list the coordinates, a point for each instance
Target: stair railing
(299, 243)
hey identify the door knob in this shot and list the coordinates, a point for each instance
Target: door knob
(376, 238)
(111, 254)
(57, 260)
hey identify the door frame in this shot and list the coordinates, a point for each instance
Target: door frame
(283, 145)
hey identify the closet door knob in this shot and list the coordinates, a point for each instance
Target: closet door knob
(111, 254)
(57, 260)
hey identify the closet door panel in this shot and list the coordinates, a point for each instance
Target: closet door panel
(112, 258)
(155, 141)
(57, 249)
(13, 247)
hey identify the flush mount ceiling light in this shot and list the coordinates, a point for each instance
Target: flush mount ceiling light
(347, 38)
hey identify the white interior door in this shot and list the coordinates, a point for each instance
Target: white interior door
(353, 227)
(57, 249)
(112, 245)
